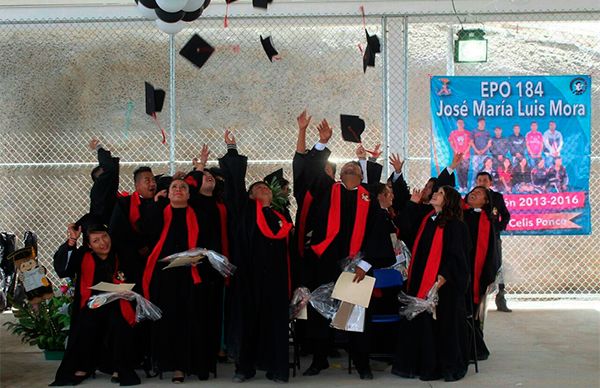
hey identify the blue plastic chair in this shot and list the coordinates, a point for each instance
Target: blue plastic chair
(384, 278)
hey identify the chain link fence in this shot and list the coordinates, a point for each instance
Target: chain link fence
(65, 82)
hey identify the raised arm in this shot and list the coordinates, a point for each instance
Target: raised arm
(234, 168)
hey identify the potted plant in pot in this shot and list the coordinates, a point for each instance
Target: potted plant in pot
(45, 324)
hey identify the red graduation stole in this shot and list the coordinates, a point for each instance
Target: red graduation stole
(134, 210)
(284, 232)
(433, 260)
(88, 268)
(224, 237)
(333, 223)
(192, 228)
(308, 198)
(483, 239)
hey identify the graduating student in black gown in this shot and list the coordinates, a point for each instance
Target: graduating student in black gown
(483, 259)
(208, 198)
(501, 218)
(103, 337)
(262, 283)
(341, 217)
(183, 339)
(427, 348)
(402, 194)
(103, 194)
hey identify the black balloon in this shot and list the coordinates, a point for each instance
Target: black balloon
(193, 15)
(149, 3)
(206, 4)
(169, 17)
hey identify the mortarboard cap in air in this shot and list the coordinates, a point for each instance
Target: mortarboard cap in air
(267, 44)
(261, 3)
(368, 58)
(197, 50)
(276, 176)
(373, 42)
(155, 99)
(352, 128)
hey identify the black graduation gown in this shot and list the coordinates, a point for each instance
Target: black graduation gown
(408, 232)
(433, 349)
(379, 252)
(135, 244)
(98, 338)
(183, 339)
(487, 276)
(103, 195)
(209, 220)
(259, 332)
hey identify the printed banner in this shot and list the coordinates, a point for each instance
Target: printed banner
(530, 133)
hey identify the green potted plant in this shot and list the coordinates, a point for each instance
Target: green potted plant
(45, 324)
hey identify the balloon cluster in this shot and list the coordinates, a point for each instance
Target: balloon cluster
(171, 15)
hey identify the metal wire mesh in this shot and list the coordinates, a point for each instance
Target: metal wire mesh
(65, 82)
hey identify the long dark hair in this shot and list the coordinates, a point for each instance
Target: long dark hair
(452, 208)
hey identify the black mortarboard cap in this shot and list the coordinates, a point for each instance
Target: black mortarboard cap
(155, 99)
(197, 50)
(275, 176)
(261, 3)
(352, 128)
(368, 58)
(163, 182)
(373, 42)
(267, 44)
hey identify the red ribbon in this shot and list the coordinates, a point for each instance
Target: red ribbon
(192, 229)
(162, 131)
(432, 266)
(333, 224)
(483, 239)
(283, 232)
(88, 268)
(308, 198)
(134, 210)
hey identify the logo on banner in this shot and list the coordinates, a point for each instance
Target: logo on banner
(578, 86)
(445, 89)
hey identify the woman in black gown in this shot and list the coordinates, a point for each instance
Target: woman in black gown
(429, 348)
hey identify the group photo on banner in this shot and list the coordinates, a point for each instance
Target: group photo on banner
(530, 133)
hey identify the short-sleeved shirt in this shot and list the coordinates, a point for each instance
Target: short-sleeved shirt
(535, 141)
(481, 139)
(460, 142)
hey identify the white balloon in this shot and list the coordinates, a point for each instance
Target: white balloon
(171, 5)
(146, 12)
(170, 28)
(193, 5)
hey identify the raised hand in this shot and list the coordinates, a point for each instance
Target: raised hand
(361, 153)
(160, 194)
(303, 120)
(325, 132)
(199, 164)
(376, 152)
(397, 163)
(93, 144)
(229, 138)
(456, 159)
(416, 196)
(179, 175)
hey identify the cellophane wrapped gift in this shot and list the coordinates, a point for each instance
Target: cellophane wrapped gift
(411, 306)
(144, 309)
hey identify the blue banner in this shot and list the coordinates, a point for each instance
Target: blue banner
(530, 133)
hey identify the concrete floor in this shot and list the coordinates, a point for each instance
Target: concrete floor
(545, 344)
